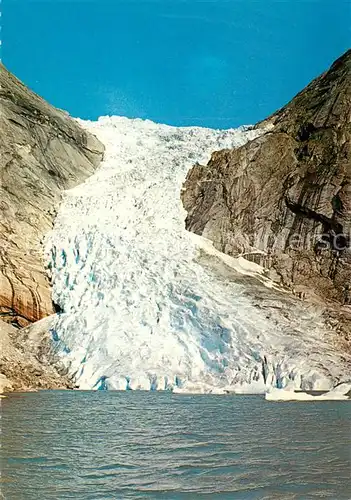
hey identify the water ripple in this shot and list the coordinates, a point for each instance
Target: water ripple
(93, 445)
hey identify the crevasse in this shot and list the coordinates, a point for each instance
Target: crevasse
(145, 306)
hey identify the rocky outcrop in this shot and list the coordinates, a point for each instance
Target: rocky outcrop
(27, 360)
(284, 199)
(42, 152)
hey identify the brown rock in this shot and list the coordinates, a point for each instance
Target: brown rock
(42, 152)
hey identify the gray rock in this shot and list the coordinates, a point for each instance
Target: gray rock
(42, 152)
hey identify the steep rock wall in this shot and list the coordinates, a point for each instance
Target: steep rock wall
(284, 199)
(42, 152)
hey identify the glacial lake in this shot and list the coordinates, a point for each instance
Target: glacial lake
(120, 445)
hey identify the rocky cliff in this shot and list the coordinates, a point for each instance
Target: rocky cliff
(284, 199)
(42, 152)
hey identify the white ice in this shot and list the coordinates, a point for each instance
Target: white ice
(339, 393)
(141, 309)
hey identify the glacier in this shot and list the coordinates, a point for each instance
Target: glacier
(146, 304)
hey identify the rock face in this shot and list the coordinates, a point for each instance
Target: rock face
(284, 199)
(42, 152)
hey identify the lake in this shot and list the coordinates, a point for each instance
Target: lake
(159, 445)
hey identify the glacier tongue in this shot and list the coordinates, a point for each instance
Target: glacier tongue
(140, 309)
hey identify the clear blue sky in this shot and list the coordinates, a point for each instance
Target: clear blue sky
(217, 63)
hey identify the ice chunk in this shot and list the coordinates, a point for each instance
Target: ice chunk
(342, 392)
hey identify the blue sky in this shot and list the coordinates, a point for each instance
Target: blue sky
(216, 63)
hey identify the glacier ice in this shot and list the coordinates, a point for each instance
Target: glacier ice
(142, 309)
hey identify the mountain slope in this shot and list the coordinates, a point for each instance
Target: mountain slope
(42, 152)
(284, 199)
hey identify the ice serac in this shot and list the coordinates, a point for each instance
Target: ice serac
(42, 152)
(284, 199)
(148, 305)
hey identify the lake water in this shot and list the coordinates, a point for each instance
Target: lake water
(120, 445)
